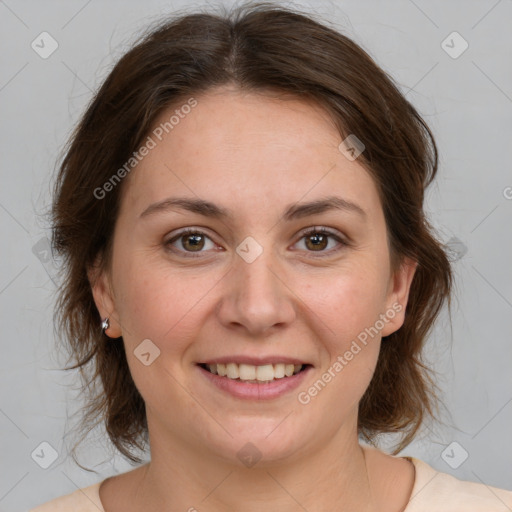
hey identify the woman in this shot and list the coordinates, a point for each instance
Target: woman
(251, 275)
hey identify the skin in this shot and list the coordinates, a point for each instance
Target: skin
(254, 154)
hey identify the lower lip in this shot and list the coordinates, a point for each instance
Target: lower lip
(252, 391)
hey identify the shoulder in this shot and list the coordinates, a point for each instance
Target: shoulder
(434, 490)
(81, 500)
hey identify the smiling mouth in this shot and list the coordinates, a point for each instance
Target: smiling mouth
(255, 374)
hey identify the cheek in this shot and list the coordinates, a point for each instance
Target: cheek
(349, 307)
(347, 301)
(163, 307)
(159, 302)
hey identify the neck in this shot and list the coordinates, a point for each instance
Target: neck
(332, 476)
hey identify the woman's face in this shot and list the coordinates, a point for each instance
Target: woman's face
(249, 286)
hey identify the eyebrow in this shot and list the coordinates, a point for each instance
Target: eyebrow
(291, 212)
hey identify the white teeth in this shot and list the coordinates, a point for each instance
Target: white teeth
(279, 371)
(246, 372)
(254, 374)
(232, 371)
(265, 372)
(221, 369)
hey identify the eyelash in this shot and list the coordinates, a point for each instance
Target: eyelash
(304, 234)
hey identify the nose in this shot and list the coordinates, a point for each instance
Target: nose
(256, 296)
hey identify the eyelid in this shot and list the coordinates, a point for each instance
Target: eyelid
(321, 229)
(183, 232)
(342, 240)
(330, 232)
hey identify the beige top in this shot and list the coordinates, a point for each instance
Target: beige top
(432, 492)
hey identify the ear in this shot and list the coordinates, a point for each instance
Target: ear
(104, 298)
(398, 294)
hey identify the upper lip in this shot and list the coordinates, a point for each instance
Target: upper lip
(255, 361)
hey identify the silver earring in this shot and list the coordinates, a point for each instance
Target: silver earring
(105, 325)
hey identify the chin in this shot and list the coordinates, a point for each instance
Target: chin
(263, 443)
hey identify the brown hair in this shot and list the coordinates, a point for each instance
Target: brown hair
(259, 47)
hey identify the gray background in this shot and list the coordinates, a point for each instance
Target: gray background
(466, 100)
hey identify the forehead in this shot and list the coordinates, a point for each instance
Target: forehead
(241, 147)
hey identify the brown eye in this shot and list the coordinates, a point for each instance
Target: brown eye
(189, 241)
(193, 242)
(317, 240)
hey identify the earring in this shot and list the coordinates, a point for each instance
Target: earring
(105, 325)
